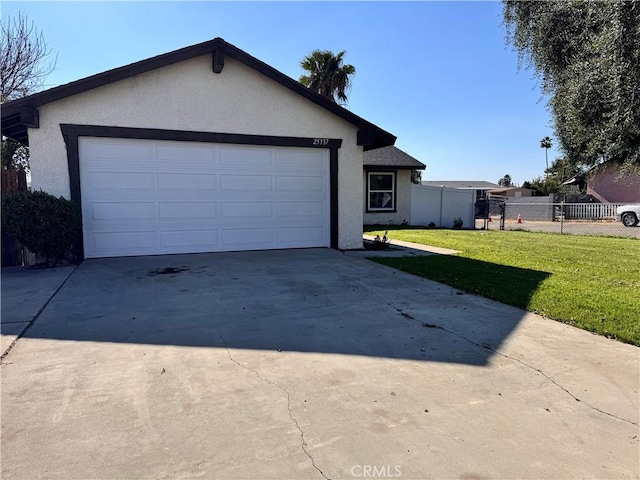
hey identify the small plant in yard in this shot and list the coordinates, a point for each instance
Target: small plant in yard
(457, 222)
(381, 243)
(43, 223)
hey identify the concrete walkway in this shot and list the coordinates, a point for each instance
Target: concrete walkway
(400, 248)
(306, 364)
(24, 293)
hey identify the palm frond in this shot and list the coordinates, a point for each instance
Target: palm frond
(327, 75)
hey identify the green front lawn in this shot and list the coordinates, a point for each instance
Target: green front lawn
(590, 282)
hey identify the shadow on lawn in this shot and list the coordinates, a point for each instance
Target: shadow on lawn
(313, 301)
(510, 285)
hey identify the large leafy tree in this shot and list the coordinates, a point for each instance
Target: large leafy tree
(505, 181)
(542, 186)
(587, 56)
(13, 155)
(559, 171)
(327, 75)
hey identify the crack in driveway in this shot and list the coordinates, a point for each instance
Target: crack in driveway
(490, 348)
(303, 443)
(33, 320)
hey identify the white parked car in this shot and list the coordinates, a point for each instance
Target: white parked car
(629, 215)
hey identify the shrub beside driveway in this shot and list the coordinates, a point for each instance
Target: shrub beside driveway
(589, 282)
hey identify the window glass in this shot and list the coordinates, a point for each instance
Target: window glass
(381, 200)
(381, 191)
(380, 181)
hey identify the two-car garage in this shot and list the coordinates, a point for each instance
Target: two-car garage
(203, 149)
(145, 197)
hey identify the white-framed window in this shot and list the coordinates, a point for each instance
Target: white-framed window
(381, 191)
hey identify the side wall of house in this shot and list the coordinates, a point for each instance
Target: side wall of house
(189, 96)
(442, 206)
(403, 202)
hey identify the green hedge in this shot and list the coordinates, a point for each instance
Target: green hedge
(46, 225)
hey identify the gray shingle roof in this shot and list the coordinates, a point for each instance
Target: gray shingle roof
(473, 184)
(391, 157)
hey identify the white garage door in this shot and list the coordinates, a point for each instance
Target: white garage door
(147, 197)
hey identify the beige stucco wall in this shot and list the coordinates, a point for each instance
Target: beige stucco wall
(189, 96)
(403, 202)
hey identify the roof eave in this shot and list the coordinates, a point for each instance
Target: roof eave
(372, 136)
(400, 167)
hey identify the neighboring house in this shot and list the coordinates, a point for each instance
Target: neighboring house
(201, 149)
(480, 186)
(608, 184)
(387, 180)
(511, 192)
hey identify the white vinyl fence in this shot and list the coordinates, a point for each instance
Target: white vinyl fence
(442, 206)
(596, 211)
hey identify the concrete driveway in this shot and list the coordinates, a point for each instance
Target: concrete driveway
(305, 364)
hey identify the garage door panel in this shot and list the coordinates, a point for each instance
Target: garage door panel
(307, 161)
(124, 242)
(246, 157)
(117, 182)
(186, 240)
(187, 182)
(179, 197)
(121, 151)
(301, 209)
(301, 183)
(242, 210)
(243, 237)
(301, 235)
(118, 210)
(187, 210)
(245, 183)
(197, 157)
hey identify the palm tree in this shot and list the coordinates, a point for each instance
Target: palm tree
(327, 75)
(546, 144)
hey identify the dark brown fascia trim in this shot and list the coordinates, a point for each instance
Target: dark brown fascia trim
(395, 189)
(15, 125)
(29, 116)
(218, 59)
(71, 133)
(113, 75)
(13, 128)
(391, 167)
(366, 137)
(333, 188)
(371, 137)
(191, 136)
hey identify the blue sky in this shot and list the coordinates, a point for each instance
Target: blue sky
(435, 74)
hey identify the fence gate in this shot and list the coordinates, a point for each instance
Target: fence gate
(490, 209)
